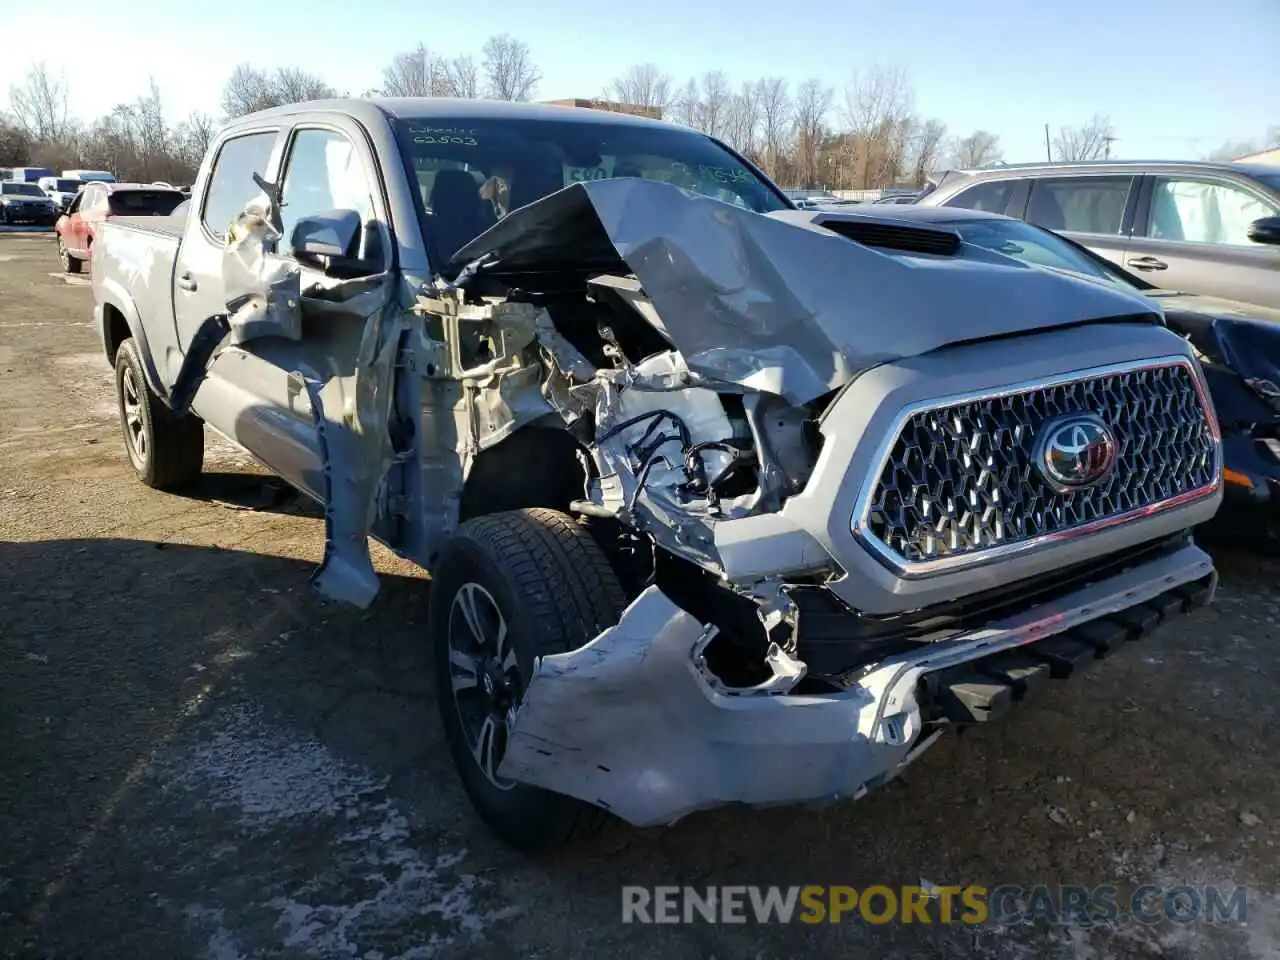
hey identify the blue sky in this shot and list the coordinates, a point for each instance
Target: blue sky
(1178, 77)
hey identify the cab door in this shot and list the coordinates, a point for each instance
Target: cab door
(1192, 235)
(255, 390)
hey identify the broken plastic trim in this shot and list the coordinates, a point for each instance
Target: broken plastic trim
(574, 732)
(195, 365)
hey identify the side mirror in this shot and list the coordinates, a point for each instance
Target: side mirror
(1266, 230)
(325, 235)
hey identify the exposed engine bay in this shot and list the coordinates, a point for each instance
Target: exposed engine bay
(693, 375)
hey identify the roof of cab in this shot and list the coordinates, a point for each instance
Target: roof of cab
(368, 110)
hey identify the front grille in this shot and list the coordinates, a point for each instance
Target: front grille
(961, 480)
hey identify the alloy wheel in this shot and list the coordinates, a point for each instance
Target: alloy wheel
(485, 677)
(131, 408)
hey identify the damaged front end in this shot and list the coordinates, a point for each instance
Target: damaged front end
(694, 351)
(710, 390)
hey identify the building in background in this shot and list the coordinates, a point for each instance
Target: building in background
(612, 106)
(1270, 157)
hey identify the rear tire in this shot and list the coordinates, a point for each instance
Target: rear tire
(165, 449)
(70, 264)
(535, 581)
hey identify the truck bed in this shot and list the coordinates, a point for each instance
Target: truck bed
(133, 260)
(170, 227)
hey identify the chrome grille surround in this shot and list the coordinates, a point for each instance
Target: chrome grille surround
(955, 483)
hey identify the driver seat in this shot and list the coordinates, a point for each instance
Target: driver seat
(458, 215)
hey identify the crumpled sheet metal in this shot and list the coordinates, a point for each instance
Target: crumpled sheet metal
(575, 731)
(1249, 348)
(774, 303)
(355, 444)
(262, 288)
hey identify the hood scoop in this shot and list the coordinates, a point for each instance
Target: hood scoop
(892, 237)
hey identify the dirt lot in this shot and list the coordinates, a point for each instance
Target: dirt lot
(198, 759)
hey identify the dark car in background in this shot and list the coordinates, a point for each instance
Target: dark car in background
(1206, 228)
(22, 202)
(1238, 346)
(98, 202)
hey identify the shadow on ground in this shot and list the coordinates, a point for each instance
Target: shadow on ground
(251, 491)
(199, 755)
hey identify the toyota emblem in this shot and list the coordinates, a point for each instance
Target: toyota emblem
(1076, 452)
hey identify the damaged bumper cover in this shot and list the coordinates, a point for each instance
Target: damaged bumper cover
(705, 745)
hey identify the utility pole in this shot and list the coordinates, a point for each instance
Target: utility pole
(1048, 154)
(1108, 141)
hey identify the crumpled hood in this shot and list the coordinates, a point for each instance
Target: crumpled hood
(778, 303)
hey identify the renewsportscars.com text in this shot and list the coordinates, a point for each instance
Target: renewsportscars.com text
(1007, 904)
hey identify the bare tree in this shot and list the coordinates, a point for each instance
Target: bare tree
(643, 85)
(775, 120)
(743, 127)
(925, 150)
(878, 109)
(463, 77)
(15, 143)
(509, 70)
(979, 149)
(417, 73)
(294, 85)
(714, 99)
(39, 104)
(249, 89)
(193, 137)
(813, 102)
(688, 105)
(1092, 141)
(1243, 148)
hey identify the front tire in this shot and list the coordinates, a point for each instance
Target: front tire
(513, 587)
(165, 449)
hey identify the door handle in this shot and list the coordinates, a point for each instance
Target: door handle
(1147, 263)
(187, 282)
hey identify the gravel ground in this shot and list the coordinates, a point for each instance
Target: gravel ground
(198, 759)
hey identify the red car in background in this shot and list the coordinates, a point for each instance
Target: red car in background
(99, 201)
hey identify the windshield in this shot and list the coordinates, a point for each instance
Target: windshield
(1039, 248)
(472, 173)
(66, 186)
(21, 189)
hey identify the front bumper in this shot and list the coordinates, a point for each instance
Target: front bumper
(633, 723)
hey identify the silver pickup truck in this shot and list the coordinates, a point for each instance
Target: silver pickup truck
(723, 501)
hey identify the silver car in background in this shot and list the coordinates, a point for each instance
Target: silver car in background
(1206, 228)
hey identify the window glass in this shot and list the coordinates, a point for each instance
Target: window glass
(19, 189)
(992, 196)
(1080, 204)
(1036, 247)
(231, 183)
(1202, 211)
(143, 203)
(323, 173)
(473, 172)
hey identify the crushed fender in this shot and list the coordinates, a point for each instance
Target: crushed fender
(703, 746)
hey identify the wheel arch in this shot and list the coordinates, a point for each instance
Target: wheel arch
(119, 320)
(537, 466)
